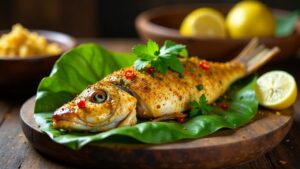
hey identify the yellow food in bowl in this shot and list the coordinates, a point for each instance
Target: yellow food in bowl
(20, 43)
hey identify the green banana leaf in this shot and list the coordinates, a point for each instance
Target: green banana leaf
(89, 63)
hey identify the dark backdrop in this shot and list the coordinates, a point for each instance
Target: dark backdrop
(90, 18)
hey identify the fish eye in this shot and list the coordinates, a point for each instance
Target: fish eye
(98, 96)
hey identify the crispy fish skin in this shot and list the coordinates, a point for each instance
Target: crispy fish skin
(171, 94)
(118, 100)
(164, 96)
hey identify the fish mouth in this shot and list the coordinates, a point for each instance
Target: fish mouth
(71, 125)
(66, 118)
(71, 121)
(79, 125)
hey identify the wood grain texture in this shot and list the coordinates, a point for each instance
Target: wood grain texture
(232, 147)
(15, 150)
(284, 156)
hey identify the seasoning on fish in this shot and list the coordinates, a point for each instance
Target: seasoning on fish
(81, 104)
(199, 87)
(151, 70)
(117, 101)
(129, 74)
(204, 65)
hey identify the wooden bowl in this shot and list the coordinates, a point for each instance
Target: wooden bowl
(24, 74)
(163, 23)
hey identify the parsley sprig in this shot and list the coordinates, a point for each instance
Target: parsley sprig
(200, 107)
(161, 59)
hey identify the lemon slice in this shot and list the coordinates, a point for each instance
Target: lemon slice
(203, 22)
(276, 90)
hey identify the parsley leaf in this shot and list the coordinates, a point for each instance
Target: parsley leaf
(160, 65)
(171, 47)
(161, 59)
(140, 64)
(200, 107)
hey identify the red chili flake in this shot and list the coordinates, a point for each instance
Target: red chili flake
(223, 105)
(151, 70)
(180, 119)
(129, 74)
(81, 104)
(204, 65)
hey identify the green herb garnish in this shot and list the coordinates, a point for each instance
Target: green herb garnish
(199, 87)
(161, 59)
(200, 107)
(192, 70)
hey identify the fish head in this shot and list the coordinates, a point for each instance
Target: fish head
(99, 107)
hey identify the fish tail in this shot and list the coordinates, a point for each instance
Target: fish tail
(254, 55)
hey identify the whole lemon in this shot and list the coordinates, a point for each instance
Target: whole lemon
(249, 19)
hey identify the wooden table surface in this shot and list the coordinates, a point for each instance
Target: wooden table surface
(17, 153)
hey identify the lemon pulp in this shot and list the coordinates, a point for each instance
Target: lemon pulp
(276, 90)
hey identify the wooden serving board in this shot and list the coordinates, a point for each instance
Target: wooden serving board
(223, 149)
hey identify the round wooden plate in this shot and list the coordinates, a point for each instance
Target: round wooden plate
(222, 149)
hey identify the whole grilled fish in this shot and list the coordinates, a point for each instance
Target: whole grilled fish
(117, 101)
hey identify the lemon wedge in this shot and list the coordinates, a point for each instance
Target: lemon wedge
(276, 90)
(203, 22)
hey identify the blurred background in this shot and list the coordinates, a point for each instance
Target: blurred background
(94, 18)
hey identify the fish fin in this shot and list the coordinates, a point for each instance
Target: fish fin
(254, 55)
